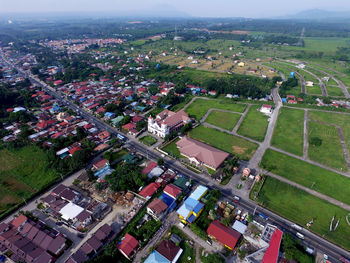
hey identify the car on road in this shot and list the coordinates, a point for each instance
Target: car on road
(59, 223)
(301, 236)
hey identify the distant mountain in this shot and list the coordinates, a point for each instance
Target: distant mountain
(319, 14)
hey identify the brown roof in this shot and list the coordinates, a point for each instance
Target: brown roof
(86, 248)
(3, 227)
(157, 206)
(39, 238)
(100, 235)
(168, 249)
(94, 243)
(83, 216)
(44, 258)
(59, 189)
(34, 254)
(79, 256)
(18, 221)
(202, 152)
(26, 228)
(68, 194)
(107, 229)
(46, 242)
(56, 245)
(172, 118)
(32, 233)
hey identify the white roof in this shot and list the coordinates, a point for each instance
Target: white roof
(70, 211)
(239, 227)
(62, 151)
(156, 172)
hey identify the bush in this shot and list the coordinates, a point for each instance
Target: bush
(315, 141)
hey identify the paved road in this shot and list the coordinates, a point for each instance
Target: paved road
(238, 124)
(323, 88)
(318, 242)
(306, 134)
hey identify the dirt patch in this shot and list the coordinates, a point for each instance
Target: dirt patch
(239, 150)
(8, 161)
(14, 185)
(8, 199)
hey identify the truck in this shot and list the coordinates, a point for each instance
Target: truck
(297, 227)
(263, 216)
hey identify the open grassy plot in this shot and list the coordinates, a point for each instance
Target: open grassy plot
(200, 107)
(148, 140)
(308, 175)
(302, 207)
(225, 120)
(223, 141)
(172, 149)
(315, 89)
(23, 172)
(330, 152)
(334, 91)
(288, 134)
(342, 120)
(254, 124)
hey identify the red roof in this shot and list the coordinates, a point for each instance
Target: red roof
(18, 221)
(225, 235)
(129, 126)
(172, 190)
(104, 135)
(149, 167)
(266, 106)
(128, 244)
(149, 190)
(9, 110)
(101, 163)
(74, 149)
(136, 119)
(271, 254)
(157, 206)
(57, 82)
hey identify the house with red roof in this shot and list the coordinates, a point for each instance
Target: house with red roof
(104, 135)
(272, 252)
(98, 165)
(227, 236)
(157, 209)
(172, 190)
(57, 82)
(129, 127)
(149, 190)
(19, 221)
(128, 246)
(149, 168)
(74, 149)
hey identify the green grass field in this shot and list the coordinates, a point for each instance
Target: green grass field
(334, 91)
(330, 152)
(302, 207)
(308, 175)
(288, 134)
(148, 140)
(200, 107)
(316, 89)
(172, 149)
(224, 141)
(254, 125)
(23, 172)
(342, 120)
(225, 120)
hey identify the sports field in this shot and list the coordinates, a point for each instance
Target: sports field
(229, 143)
(254, 125)
(302, 207)
(288, 134)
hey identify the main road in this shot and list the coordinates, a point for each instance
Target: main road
(312, 240)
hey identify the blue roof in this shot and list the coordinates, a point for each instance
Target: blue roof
(156, 257)
(191, 218)
(168, 200)
(134, 103)
(187, 207)
(109, 114)
(129, 98)
(198, 208)
(199, 192)
(284, 99)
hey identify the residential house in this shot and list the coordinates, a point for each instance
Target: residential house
(157, 209)
(227, 236)
(128, 246)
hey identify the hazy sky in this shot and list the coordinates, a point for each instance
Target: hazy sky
(204, 8)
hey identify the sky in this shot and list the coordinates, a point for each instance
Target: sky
(197, 8)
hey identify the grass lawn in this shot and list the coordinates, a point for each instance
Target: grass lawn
(148, 140)
(315, 89)
(172, 149)
(254, 124)
(23, 172)
(308, 175)
(289, 131)
(334, 91)
(200, 107)
(119, 154)
(225, 120)
(330, 152)
(342, 120)
(223, 141)
(302, 207)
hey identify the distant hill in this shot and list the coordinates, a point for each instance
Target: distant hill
(319, 14)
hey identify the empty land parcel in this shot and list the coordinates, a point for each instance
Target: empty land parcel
(224, 120)
(23, 172)
(309, 175)
(199, 107)
(227, 142)
(302, 207)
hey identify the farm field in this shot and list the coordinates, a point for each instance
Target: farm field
(308, 175)
(288, 134)
(172, 149)
(254, 125)
(225, 142)
(301, 207)
(225, 120)
(330, 152)
(342, 120)
(23, 172)
(199, 107)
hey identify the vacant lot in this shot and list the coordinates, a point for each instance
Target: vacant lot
(308, 175)
(148, 140)
(200, 107)
(23, 172)
(225, 120)
(172, 149)
(315, 89)
(342, 120)
(254, 124)
(334, 91)
(224, 141)
(288, 134)
(302, 207)
(330, 152)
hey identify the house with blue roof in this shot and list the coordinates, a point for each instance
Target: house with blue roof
(156, 257)
(109, 115)
(192, 207)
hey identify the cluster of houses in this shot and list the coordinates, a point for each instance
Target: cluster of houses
(72, 208)
(25, 240)
(93, 245)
